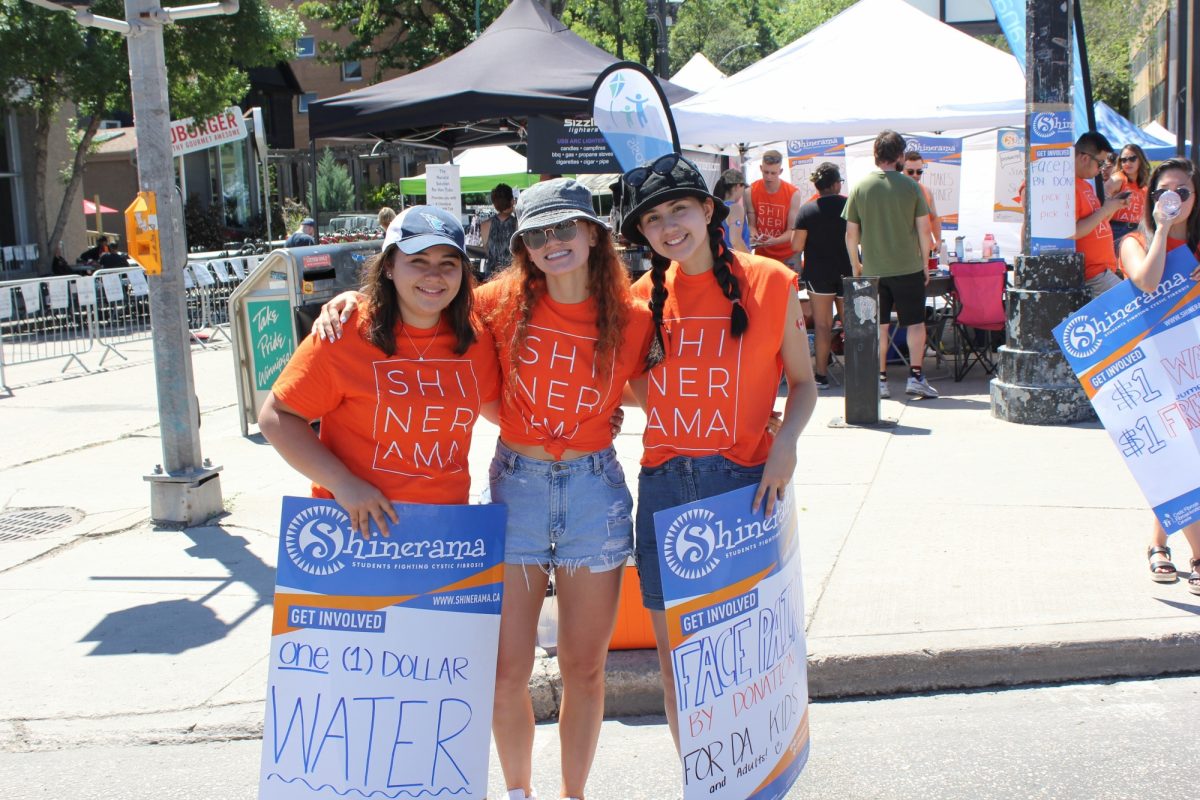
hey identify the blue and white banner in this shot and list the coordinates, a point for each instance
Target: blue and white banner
(735, 621)
(943, 173)
(1137, 355)
(805, 155)
(383, 654)
(1010, 175)
(630, 109)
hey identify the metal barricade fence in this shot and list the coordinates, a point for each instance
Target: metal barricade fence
(46, 318)
(122, 308)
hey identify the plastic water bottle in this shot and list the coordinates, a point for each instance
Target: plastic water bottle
(943, 255)
(989, 244)
(959, 253)
(1170, 203)
(996, 251)
(970, 248)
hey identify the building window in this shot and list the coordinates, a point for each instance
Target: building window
(352, 70)
(303, 100)
(306, 47)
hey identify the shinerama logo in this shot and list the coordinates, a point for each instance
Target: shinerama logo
(1081, 337)
(691, 544)
(1047, 124)
(316, 540)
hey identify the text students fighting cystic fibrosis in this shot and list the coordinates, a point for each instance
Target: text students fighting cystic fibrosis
(570, 335)
(726, 325)
(398, 398)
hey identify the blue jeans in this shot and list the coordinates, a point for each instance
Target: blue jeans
(678, 481)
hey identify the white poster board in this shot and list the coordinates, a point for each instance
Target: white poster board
(443, 188)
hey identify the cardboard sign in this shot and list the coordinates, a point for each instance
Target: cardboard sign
(1051, 190)
(383, 654)
(1137, 355)
(735, 621)
(805, 155)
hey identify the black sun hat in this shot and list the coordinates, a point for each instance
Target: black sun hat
(667, 178)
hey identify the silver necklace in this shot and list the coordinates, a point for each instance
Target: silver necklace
(421, 353)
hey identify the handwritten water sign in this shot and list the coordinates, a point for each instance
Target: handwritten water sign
(383, 654)
(735, 621)
(272, 340)
(1137, 355)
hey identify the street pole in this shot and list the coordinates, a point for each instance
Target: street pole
(185, 488)
(1034, 385)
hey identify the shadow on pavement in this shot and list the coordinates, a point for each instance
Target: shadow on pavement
(1190, 608)
(177, 625)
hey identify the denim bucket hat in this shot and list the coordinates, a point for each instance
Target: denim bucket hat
(667, 178)
(548, 203)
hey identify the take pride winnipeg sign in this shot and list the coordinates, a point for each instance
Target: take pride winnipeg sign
(189, 135)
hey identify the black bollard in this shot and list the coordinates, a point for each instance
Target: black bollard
(861, 324)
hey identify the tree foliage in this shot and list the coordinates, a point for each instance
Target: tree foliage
(335, 189)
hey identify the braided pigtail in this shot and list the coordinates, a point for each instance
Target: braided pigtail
(658, 301)
(723, 272)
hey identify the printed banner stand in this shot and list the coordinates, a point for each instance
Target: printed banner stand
(735, 620)
(805, 155)
(1137, 355)
(383, 654)
(631, 111)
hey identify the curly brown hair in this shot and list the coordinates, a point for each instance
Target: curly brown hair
(522, 285)
(377, 321)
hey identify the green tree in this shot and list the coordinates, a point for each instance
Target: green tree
(335, 190)
(47, 60)
(727, 31)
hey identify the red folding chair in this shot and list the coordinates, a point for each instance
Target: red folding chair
(979, 306)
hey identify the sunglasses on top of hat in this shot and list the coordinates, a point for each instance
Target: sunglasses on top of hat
(563, 232)
(661, 166)
(1183, 192)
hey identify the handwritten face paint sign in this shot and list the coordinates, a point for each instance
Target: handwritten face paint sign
(1051, 190)
(1010, 174)
(943, 173)
(383, 654)
(735, 621)
(1137, 355)
(805, 155)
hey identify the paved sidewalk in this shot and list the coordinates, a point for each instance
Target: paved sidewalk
(952, 551)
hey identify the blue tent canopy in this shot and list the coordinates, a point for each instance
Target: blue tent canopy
(1120, 132)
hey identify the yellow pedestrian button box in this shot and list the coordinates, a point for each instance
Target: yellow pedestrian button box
(141, 232)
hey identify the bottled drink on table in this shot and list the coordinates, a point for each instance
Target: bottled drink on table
(970, 250)
(1170, 203)
(943, 255)
(989, 244)
(959, 253)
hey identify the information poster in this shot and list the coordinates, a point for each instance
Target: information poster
(272, 341)
(1137, 355)
(383, 654)
(735, 621)
(1010, 174)
(443, 188)
(805, 155)
(1051, 190)
(566, 147)
(943, 173)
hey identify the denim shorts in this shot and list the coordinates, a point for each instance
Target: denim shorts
(678, 481)
(569, 514)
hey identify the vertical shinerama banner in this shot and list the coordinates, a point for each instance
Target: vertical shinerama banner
(383, 654)
(805, 155)
(1010, 174)
(735, 621)
(1051, 190)
(1137, 355)
(943, 173)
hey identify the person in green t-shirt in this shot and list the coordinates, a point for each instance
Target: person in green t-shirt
(887, 214)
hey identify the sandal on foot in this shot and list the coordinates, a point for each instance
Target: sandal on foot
(1193, 580)
(1162, 570)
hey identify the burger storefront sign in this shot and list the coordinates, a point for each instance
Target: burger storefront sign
(189, 135)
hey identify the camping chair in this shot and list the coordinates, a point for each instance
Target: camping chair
(979, 306)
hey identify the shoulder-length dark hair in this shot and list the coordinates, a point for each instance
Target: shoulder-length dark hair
(378, 324)
(1193, 220)
(523, 284)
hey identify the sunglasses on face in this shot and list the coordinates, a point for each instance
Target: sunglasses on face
(563, 232)
(914, 172)
(1128, 159)
(1183, 192)
(662, 166)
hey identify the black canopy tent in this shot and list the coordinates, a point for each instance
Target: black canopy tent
(525, 64)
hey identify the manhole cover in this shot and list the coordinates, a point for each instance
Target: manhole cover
(26, 523)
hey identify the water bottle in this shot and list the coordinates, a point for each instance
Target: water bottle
(989, 244)
(1169, 202)
(970, 250)
(959, 253)
(996, 252)
(943, 255)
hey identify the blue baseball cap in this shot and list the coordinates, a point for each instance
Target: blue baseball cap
(422, 227)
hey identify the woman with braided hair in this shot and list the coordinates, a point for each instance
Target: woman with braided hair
(725, 326)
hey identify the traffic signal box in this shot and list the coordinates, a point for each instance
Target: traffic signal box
(141, 232)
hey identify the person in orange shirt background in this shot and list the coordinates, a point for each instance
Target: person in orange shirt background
(771, 207)
(1093, 235)
(914, 167)
(1133, 178)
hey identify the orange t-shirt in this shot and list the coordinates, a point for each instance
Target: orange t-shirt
(403, 422)
(1097, 246)
(714, 393)
(1132, 212)
(559, 402)
(771, 216)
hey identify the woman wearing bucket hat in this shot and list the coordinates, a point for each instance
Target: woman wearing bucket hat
(416, 306)
(704, 298)
(570, 335)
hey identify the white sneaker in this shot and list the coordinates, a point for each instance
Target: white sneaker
(884, 391)
(519, 794)
(920, 388)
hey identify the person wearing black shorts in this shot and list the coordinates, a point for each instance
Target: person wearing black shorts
(821, 236)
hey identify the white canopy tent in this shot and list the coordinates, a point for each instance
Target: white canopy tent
(698, 74)
(855, 75)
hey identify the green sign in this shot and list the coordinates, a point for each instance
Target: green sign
(272, 341)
